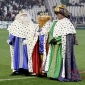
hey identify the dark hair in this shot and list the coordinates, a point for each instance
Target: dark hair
(60, 12)
(54, 7)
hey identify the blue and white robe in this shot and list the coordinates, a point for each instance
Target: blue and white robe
(19, 55)
(27, 31)
(69, 70)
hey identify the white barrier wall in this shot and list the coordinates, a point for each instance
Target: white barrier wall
(4, 24)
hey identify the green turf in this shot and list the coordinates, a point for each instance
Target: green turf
(5, 70)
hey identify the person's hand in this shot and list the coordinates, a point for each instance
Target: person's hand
(8, 41)
(53, 41)
(24, 42)
(76, 42)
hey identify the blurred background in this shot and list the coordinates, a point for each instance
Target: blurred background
(9, 9)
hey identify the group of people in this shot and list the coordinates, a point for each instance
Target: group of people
(44, 49)
(9, 8)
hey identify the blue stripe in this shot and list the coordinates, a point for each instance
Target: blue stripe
(41, 44)
(12, 39)
(16, 54)
(25, 57)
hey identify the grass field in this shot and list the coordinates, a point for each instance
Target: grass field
(5, 70)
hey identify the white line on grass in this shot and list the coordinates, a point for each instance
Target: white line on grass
(10, 79)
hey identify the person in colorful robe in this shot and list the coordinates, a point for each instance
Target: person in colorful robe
(41, 47)
(62, 63)
(18, 31)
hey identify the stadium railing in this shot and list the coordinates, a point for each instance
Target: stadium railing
(4, 24)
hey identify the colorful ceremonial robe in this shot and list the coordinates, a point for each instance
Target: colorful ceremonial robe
(36, 63)
(40, 50)
(46, 67)
(43, 43)
(27, 31)
(62, 64)
(19, 56)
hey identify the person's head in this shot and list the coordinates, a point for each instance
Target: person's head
(23, 12)
(43, 18)
(61, 11)
(60, 16)
(23, 16)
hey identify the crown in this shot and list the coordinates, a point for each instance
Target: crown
(57, 8)
(44, 13)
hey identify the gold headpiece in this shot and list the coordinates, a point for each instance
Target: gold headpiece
(43, 14)
(62, 7)
(57, 8)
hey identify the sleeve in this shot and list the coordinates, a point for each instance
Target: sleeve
(71, 27)
(57, 29)
(11, 39)
(11, 26)
(74, 30)
(36, 31)
(46, 28)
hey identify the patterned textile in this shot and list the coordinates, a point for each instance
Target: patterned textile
(71, 70)
(19, 56)
(21, 30)
(46, 64)
(63, 27)
(27, 31)
(55, 59)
